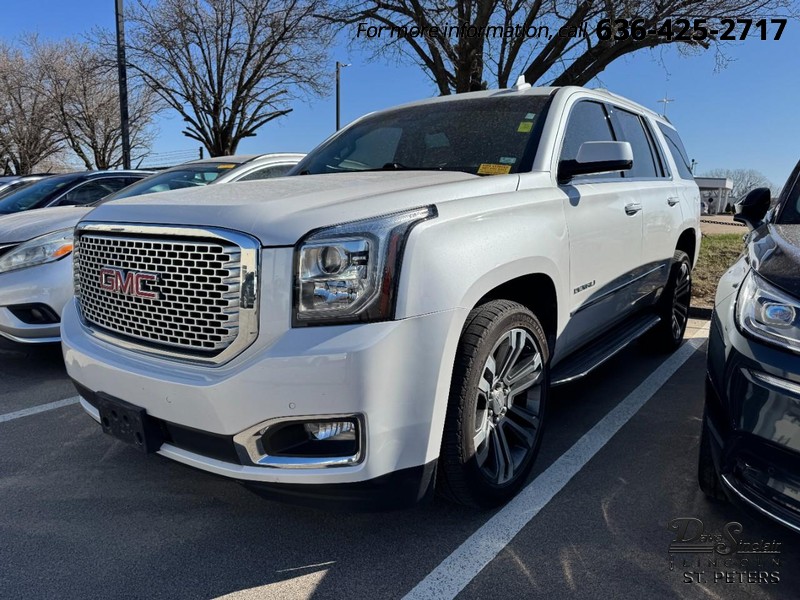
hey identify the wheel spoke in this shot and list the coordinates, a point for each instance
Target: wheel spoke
(502, 454)
(676, 327)
(516, 344)
(490, 370)
(526, 374)
(485, 384)
(526, 417)
(525, 436)
(480, 444)
(482, 452)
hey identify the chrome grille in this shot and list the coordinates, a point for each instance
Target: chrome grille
(197, 289)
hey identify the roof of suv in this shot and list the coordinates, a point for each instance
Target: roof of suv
(539, 91)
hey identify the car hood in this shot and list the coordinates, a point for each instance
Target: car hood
(775, 256)
(25, 225)
(280, 211)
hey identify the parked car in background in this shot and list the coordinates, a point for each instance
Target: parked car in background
(36, 246)
(13, 183)
(223, 169)
(399, 309)
(750, 442)
(72, 189)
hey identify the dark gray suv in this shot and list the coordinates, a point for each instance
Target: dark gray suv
(750, 444)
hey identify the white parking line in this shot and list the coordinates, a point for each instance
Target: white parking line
(35, 410)
(456, 571)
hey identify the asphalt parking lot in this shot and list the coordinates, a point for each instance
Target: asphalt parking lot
(82, 515)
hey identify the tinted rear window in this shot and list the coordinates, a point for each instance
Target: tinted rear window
(633, 133)
(678, 152)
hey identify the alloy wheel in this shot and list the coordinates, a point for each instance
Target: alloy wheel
(681, 300)
(508, 406)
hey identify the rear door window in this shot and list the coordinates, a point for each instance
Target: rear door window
(632, 131)
(678, 152)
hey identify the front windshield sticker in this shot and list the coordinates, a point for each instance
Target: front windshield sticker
(507, 160)
(525, 127)
(226, 166)
(493, 169)
(530, 117)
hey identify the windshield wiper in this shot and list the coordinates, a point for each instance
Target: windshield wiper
(394, 166)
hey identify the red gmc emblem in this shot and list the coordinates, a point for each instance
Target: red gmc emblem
(129, 284)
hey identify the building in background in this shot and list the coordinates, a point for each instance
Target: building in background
(715, 194)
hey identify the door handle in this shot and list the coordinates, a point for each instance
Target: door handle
(633, 208)
(673, 200)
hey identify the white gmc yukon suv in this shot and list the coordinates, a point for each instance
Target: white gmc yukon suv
(392, 317)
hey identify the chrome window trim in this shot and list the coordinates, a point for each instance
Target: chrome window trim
(248, 317)
(251, 453)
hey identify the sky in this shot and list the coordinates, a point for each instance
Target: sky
(742, 115)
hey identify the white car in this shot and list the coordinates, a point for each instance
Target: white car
(394, 317)
(36, 246)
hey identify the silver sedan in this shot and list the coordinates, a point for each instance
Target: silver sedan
(36, 246)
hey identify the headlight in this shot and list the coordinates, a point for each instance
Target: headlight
(348, 273)
(40, 250)
(767, 313)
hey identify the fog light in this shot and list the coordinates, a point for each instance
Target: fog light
(332, 430)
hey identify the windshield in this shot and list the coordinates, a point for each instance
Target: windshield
(186, 176)
(6, 189)
(790, 200)
(35, 195)
(482, 136)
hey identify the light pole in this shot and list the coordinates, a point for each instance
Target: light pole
(122, 71)
(666, 101)
(339, 66)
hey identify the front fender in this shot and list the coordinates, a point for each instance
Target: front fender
(451, 262)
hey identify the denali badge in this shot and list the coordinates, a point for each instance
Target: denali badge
(129, 284)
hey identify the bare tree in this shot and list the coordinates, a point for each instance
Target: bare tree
(227, 66)
(556, 41)
(82, 84)
(743, 180)
(28, 130)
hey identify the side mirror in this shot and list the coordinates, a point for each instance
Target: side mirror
(752, 209)
(597, 157)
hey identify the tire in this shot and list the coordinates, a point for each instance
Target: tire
(673, 307)
(495, 412)
(707, 477)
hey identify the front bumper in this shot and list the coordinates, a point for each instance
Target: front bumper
(753, 413)
(48, 286)
(394, 374)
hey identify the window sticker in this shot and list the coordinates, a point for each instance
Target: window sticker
(525, 127)
(507, 160)
(493, 169)
(530, 117)
(226, 166)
